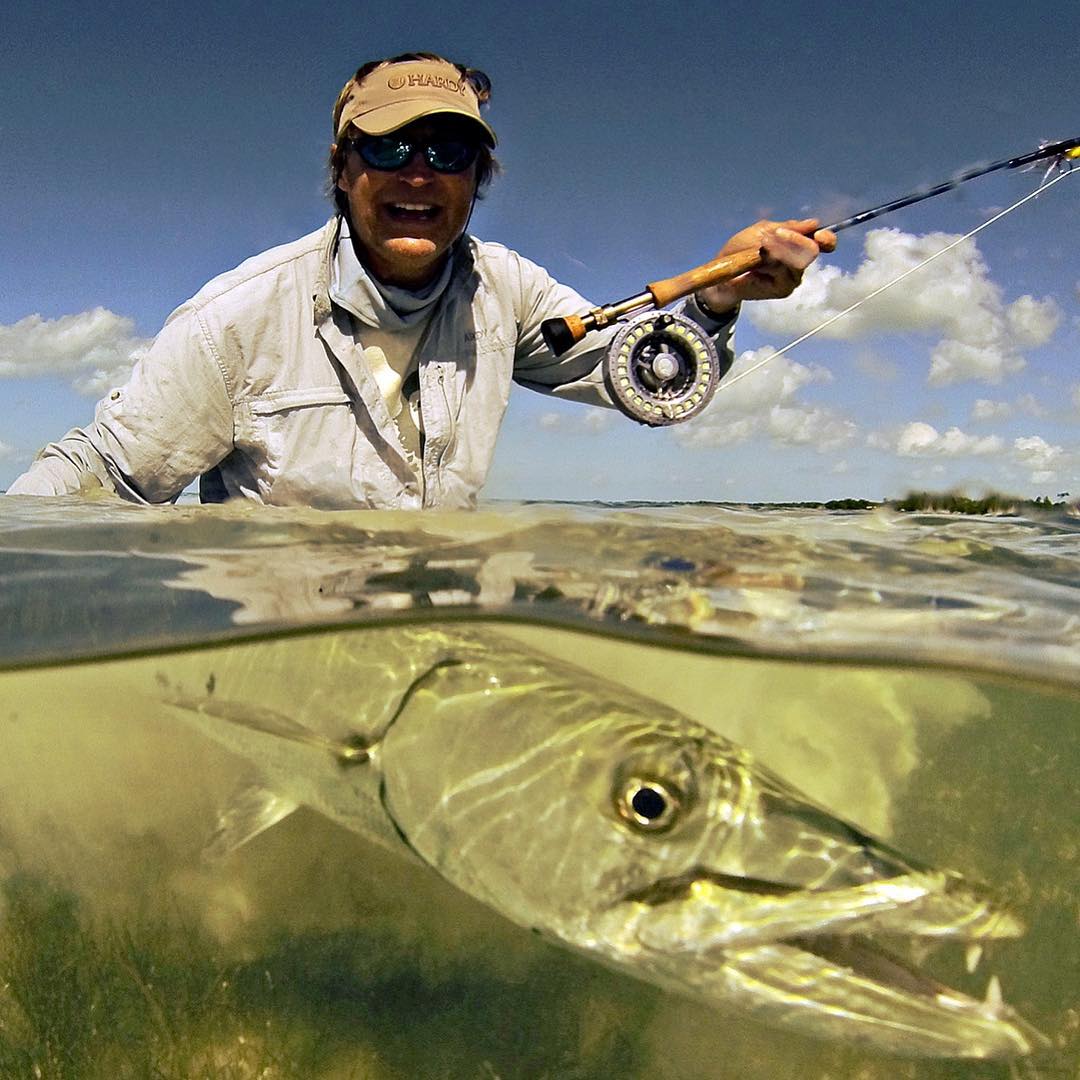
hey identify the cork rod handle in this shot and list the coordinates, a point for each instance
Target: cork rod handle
(719, 269)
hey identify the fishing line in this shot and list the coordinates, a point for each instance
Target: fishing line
(728, 383)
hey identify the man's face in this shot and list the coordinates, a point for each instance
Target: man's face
(404, 222)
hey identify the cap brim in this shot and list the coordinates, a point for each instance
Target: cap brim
(389, 118)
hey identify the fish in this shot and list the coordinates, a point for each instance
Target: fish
(608, 822)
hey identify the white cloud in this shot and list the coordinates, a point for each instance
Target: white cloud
(1030, 405)
(984, 409)
(875, 366)
(953, 361)
(1032, 321)
(597, 420)
(801, 425)
(1035, 453)
(699, 433)
(764, 403)
(95, 349)
(980, 335)
(1043, 461)
(589, 421)
(919, 439)
(7, 451)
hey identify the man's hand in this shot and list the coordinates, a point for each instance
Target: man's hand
(788, 247)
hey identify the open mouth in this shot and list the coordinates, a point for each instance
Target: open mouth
(840, 963)
(412, 213)
(865, 957)
(852, 988)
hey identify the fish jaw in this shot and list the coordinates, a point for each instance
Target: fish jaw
(703, 910)
(790, 985)
(809, 961)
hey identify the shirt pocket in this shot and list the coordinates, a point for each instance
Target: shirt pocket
(295, 432)
(283, 401)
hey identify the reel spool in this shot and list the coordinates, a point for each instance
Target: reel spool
(661, 368)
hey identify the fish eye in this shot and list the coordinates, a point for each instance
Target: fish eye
(648, 805)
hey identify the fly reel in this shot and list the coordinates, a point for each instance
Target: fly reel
(661, 368)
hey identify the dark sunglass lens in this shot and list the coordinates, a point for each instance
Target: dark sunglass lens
(385, 152)
(451, 155)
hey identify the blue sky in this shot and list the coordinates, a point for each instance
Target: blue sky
(145, 151)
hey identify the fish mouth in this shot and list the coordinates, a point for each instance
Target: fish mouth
(838, 963)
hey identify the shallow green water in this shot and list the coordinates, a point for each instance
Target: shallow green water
(916, 675)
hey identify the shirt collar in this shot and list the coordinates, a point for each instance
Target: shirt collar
(373, 302)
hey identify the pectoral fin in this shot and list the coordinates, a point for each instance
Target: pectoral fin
(252, 809)
(255, 718)
(352, 750)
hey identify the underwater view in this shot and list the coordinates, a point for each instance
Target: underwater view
(538, 791)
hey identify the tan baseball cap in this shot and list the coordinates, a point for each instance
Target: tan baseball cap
(396, 94)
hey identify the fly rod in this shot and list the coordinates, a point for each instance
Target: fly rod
(561, 333)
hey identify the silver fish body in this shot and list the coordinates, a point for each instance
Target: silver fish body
(611, 824)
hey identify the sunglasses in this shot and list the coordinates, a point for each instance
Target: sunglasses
(391, 152)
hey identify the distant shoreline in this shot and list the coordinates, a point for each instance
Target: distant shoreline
(936, 502)
(945, 502)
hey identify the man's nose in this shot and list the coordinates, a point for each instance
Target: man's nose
(416, 170)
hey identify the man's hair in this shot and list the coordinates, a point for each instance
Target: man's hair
(487, 166)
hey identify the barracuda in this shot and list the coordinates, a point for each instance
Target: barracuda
(608, 822)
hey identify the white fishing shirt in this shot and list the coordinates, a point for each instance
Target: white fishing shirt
(259, 385)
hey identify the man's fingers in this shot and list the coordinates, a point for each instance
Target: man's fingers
(825, 239)
(787, 249)
(790, 248)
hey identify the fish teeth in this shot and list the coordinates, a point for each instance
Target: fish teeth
(972, 956)
(993, 1000)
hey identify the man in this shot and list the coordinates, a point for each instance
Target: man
(369, 363)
